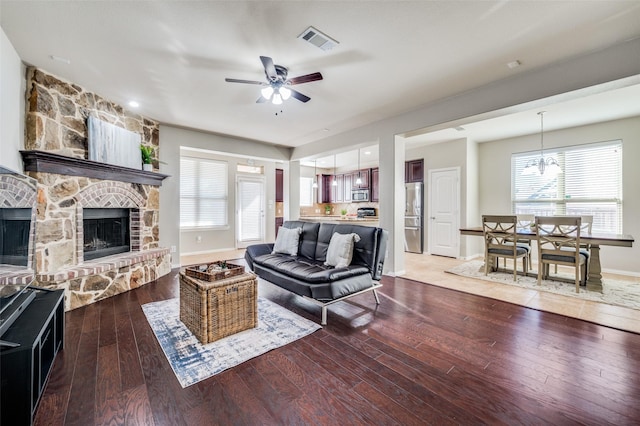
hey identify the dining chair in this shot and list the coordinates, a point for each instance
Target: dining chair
(526, 221)
(559, 244)
(500, 241)
(586, 224)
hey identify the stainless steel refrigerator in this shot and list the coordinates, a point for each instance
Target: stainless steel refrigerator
(413, 215)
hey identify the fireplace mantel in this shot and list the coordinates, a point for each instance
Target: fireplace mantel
(47, 162)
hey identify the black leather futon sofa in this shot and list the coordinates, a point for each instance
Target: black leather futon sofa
(306, 274)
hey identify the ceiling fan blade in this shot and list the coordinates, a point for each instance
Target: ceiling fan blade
(235, 80)
(269, 68)
(261, 100)
(305, 78)
(299, 96)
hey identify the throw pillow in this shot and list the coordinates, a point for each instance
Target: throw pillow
(340, 251)
(287, 241)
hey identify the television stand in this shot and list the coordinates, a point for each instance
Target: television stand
(39, 334)
(8, 316)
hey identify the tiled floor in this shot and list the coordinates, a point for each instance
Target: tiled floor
(431, 269)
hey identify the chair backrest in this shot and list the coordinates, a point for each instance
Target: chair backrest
(525, 220)
(587, 223)
(556, 234)
(500, 232)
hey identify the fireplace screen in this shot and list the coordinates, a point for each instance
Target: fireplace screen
(15, 225)
(106, 232)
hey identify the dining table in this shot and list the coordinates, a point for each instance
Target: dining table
(594, 240)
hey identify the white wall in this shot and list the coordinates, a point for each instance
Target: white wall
(221, 147)
(12, 105)
(495, 178)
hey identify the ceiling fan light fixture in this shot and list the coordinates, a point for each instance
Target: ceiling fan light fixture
(284, 93)
(267, 92)
(277, 99)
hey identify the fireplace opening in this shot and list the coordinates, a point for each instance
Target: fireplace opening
(106, 232)
(15, 227)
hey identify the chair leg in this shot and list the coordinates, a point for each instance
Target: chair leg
(540, 271)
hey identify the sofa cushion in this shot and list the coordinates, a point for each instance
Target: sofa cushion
(340, 250)
(308, 270)
(308, 238)
(287, 241)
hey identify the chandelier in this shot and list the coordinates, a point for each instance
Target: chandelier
(539, 166)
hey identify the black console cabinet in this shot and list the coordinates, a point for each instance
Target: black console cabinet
(24, 369)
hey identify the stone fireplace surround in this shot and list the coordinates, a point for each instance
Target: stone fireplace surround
(67, 183)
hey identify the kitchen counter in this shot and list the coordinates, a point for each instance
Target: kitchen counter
(366, 221)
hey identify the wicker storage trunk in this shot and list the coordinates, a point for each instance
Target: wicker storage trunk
(213, 310)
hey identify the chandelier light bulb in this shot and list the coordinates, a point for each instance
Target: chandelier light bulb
(267, 92)
(285, 93)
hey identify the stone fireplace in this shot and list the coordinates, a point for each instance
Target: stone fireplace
(97, 225)
(17, 220)
(106, 232)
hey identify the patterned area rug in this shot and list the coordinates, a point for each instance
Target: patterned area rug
(192, 361)
(614, 292)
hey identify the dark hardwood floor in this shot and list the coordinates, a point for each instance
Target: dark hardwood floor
(425, 355)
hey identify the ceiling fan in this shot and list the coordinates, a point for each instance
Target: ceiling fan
(277, 87)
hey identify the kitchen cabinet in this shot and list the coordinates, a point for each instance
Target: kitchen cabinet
(39, 332)
(337, 191)
(279, 223)
(324, 188)
(347, 183)
(279, 185)
(364, 177)
(374, 195)
(414, 171)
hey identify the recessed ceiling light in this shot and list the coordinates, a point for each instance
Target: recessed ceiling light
(134, 104)
(367, 153)
(60, 59)
(459, 128)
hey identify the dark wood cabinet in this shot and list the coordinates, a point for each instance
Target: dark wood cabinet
(364, 177)
(337, 190)
(324, 188)
(279, 222)
(375, 187)
(414, 171)
(24, 369)
(279, 185)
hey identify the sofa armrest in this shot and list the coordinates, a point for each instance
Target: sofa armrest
(256, 250)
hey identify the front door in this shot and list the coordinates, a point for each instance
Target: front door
(250, 208)
(444, 212)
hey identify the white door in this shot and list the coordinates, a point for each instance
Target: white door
(444, 212)
(250, 210)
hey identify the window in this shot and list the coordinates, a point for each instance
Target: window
(203, 193)
(306, 191)
(591, 184)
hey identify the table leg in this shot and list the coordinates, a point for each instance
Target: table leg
(594, 278)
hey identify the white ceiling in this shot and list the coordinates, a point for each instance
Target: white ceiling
(173, 56)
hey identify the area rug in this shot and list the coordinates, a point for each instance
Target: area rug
(192, 361)
(614, 292)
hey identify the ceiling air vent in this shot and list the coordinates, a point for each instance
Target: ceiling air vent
(318, 39)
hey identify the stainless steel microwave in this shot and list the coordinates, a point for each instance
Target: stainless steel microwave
(359, 195)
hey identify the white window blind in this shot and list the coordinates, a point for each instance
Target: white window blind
(306, 191)
(591, 184)
(203, 193)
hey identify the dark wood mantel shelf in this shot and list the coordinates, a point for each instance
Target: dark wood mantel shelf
(47, 162)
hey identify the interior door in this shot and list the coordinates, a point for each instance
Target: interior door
(444, 212)
(250, 196)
